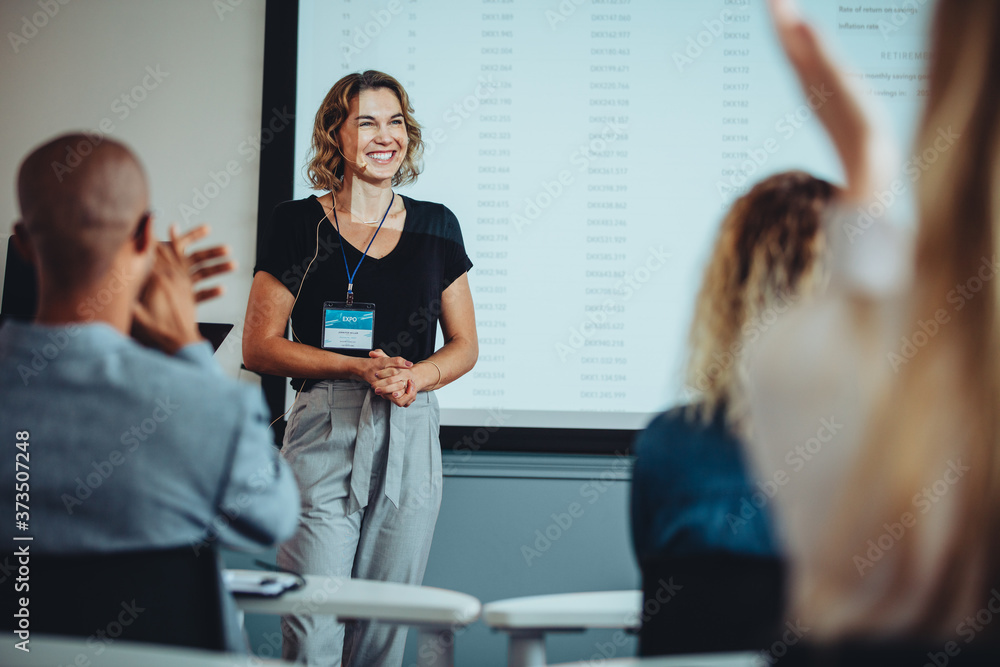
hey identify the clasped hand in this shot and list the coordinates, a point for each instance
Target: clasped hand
(392, 378)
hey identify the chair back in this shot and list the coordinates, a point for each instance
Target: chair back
(164, 596)
(711, 603)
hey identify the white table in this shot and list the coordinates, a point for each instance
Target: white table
(50, 651)
(435, 612)
(707, 660)
(527, 619)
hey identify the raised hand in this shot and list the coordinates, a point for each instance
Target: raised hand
(867, 154)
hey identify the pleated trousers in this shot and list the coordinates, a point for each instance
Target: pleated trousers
(370, 477)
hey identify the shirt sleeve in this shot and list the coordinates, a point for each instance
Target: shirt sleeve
(288, 249)
(456, 261)
(814, 373)
(201, 354)
(260, 499)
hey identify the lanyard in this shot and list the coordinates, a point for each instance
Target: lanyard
(350, 274)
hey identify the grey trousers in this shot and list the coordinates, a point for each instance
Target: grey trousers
(370, 477)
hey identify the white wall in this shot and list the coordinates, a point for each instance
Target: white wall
(69, 71)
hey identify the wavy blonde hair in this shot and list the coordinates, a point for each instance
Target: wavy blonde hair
(764, 258)
(945, 401)
(325, 170)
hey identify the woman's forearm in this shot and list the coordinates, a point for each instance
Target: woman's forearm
(455, 359)
(286, 358)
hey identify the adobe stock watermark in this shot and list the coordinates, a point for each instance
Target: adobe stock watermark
(625, 289)
(104, 637)
(968, 629)
(122, 107)
(274, 308)
(899, 16)
(459, 112)
(31, 25)
(957, 297)
(361, 37)
(796, 458)
(430, 487)
(249, 149)
(256, 485)
(60, 339)
(793, 634)
(749, 333)
(699, 43)
(786, 127)
(666, 591)
(473, 442)
(923, 502)
(552, 190)
(913, 169)
(590, 491)
(130, 439)
(562, 12)
(431, 649)
(225, 7)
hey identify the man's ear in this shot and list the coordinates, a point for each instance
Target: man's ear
(143, 239)
(23, 243)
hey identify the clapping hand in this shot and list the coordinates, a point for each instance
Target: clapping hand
(164, 316)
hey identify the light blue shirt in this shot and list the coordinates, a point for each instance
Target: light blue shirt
(133, 449)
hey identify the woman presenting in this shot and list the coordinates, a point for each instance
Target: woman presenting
(365, 274)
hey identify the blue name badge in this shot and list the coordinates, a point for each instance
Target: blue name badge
(348, 327)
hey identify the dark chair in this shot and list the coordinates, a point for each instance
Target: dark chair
(165, 596)
(711, 603)
(957, 653)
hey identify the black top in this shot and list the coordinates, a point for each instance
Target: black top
(406, 285)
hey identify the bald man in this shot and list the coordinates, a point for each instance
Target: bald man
(132, 446)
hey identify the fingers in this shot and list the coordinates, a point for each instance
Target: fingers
(406, 397)
(410, 395)
(213, 270)
(141, 316)
(867, 155)
(390, 362)
(209, 253)
(207, 294)
(394, 386)
(182, 242)
(397, 362)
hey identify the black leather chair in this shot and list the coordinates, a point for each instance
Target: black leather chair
(711, 603)
(166, 596)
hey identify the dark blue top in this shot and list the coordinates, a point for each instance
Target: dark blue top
(691, 493)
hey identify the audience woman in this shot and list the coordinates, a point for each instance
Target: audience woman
(691, 496)
(891, 523)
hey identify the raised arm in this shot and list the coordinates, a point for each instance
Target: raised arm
(862, 142)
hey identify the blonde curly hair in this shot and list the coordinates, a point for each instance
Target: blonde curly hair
(325, 170)
(764, 259)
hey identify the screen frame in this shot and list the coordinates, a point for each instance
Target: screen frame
(276, 184)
